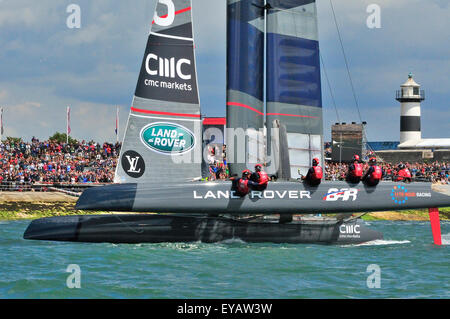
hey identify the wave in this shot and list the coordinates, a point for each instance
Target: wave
(446, 239)
(381, 242)
(232, 241)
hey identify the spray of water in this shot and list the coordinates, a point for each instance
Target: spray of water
(446, 239)
(381, 242)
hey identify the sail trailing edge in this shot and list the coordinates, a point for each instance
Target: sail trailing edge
(162, 140)
(293, 88)
(245, 84)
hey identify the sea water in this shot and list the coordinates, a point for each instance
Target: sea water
(406, 263)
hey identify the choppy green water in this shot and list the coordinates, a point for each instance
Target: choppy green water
(411, 267)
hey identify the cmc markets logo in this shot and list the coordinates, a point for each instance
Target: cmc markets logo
(169, 73)
(400, 194)
(168, 138)
(166, 67)
(350, 229)
(133, 164)
(344, 194)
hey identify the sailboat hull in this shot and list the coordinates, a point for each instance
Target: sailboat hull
(278, 198)
(143, 228)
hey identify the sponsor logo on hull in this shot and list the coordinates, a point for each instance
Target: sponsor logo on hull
(133, 164)
(267, 194)
(344, 194)
(168, 138)
(400, 195)
(349, 231)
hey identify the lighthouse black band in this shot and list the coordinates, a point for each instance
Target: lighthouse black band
(410, 124)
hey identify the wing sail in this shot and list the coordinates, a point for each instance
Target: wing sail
(293, 89)
(163, 135)
(245, 84)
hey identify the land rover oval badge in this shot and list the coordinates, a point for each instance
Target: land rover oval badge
(167, 138)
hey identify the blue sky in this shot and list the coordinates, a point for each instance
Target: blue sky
(45, 66)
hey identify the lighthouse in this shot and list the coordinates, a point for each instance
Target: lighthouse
(410, 96)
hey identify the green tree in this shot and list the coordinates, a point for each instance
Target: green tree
(62, 138)
(13, 140)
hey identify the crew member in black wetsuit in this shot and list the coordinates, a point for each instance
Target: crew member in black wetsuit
(259, 178)
(315, 174)
(373, 174)
(355, 170)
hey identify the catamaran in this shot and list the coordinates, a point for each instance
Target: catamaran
(279, 110)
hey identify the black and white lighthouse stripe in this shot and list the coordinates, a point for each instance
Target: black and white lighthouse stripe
(410, 124)
(410, 128)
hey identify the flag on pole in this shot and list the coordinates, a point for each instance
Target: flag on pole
(1, 123)
(68, 121)
(117, 124)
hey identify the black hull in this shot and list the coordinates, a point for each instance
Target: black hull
(139, 228)
(279, 198)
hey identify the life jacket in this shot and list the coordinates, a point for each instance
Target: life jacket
(358, 171)
(318, 173)
(242, 186)
(404, 174)
(263, 178)
(377, 173)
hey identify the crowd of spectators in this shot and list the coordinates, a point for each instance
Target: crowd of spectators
(435, 172)
(50, 162)
(429, 172)
(217, 163)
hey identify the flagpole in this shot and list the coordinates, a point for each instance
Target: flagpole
(67, 126)
(117, 125)
(1, 124)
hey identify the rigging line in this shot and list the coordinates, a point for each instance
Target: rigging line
(346, 61)
(329, 87)
(348, 72)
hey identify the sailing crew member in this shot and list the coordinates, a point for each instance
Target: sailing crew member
(259, 178)
(242, 184)
(355, 170)
(373, 174)
(315, 174)
(404, 174)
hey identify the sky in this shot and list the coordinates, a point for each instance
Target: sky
(46, 66)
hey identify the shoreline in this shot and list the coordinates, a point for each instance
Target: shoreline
(28, 206)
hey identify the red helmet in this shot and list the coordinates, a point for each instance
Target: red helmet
(246, 173)
(356, 157)
(258, 167)
(315, 161)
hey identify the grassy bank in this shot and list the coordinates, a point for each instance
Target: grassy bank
(417, 215)
(26, 210)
